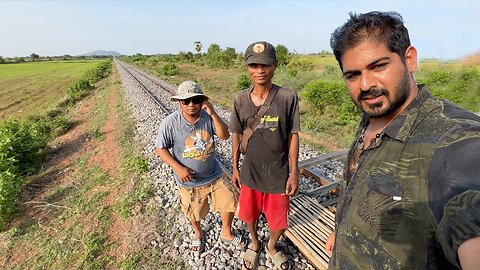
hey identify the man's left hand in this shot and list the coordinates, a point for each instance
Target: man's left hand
(208, 107)
(292, 185)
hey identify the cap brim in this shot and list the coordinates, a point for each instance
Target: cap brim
(260, 60)
(188, 95)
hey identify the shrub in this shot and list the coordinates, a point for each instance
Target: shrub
(333, 72)
(218, 58)
(139, 59)
(80, 86)
(170, 69)
(8, 195)
(461, 87)
(349, 114)
(213, 48)
(186, 57)
(297, 82)
(230, 53)
(21, 145)
(470, 74)
(323, 93)
(332, 98)
(242, 82)
(282, 54)
(85, 84)
(294, 67)
(439, 77)
(152, 61)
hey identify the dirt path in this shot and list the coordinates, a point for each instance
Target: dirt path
(109, 159)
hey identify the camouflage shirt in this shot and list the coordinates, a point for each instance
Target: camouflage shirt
(413, 197)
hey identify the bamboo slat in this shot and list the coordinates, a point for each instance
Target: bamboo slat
(310, 226)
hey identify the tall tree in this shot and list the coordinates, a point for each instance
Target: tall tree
(213, 48)
(2, 60)
(230, 53)
(34, 56)
(282, 55)
(198, 46)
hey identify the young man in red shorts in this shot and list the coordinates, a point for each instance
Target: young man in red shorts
(269, 172)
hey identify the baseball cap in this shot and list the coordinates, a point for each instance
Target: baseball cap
(188, 89)
(260, 52)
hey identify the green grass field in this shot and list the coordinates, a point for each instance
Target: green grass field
(320, 60)
(435, 65)
(28, 89)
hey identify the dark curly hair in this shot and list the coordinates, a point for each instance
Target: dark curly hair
(385, 27)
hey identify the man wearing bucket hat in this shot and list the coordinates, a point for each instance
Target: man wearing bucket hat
(269, 172)
(189, 133)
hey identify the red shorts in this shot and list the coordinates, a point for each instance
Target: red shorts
(275, 206)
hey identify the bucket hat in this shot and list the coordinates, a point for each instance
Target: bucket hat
(188, 89)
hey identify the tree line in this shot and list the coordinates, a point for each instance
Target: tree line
(33, 57)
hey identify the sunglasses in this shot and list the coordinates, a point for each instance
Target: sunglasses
(195, 100)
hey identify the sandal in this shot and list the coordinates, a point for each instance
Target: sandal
(198, 245)
(252, 257)
(280, 261)
(237, 241)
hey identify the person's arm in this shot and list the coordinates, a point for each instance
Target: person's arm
(454, 194)
(292, 182)
(235, 159)
(221, 128)
(185, 174)
(469, 254)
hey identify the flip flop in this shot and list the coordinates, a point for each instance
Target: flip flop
(279, 259)
(198, 245)
(237, 241)
(252, 257)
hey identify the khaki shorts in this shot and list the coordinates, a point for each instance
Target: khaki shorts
(194, 201)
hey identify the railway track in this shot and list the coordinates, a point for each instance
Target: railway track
(312, 210)
(156, 96)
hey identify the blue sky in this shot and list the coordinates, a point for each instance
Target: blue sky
(438, 29)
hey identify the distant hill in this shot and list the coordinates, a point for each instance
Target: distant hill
(102, 53)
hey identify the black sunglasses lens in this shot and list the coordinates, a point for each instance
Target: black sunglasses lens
(195, 100)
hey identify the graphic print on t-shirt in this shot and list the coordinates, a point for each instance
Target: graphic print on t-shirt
(198, 145)
(270, 122)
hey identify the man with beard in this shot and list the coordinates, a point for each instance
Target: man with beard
(410, 198)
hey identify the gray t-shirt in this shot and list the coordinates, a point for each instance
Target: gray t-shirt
(265, 167)
(192, 145)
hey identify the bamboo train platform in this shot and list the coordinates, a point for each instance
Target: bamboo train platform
(310, 224)
(311, 221)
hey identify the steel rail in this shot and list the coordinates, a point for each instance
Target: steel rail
(146, 90)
